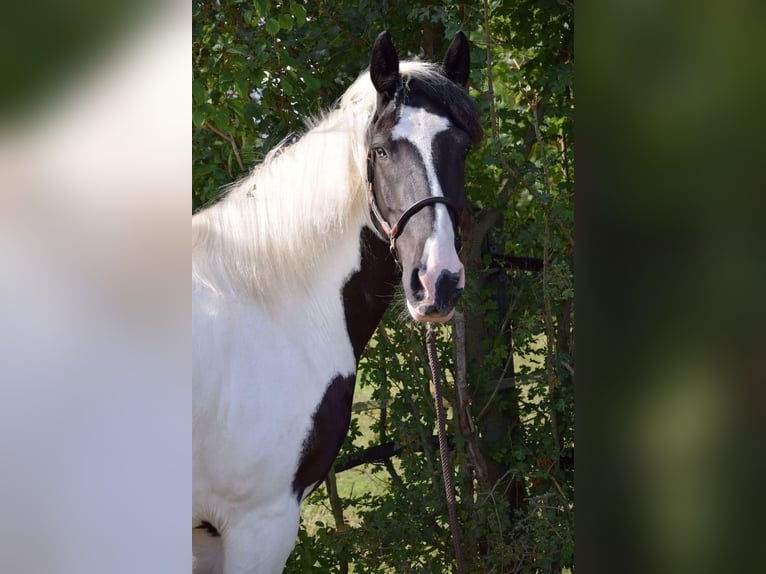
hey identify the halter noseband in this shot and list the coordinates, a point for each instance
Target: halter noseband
(394, 231)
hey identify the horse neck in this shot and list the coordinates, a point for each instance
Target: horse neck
(369, 291)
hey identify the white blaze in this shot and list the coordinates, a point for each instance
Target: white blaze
(419, 127)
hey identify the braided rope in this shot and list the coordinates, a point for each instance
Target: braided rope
(444, 455)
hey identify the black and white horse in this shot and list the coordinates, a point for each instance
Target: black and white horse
(291, 273)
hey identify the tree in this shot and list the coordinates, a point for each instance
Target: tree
(259, 68)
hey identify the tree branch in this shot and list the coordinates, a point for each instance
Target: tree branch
(466, 426)
(490, 85)
(553, 381)
(229, 139)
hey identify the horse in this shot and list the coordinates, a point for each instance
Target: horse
(292, 270)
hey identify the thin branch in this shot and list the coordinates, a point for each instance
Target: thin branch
(565, 232)
(383, 428)
(466, 424)
(229, 139)
(336, 504)
(553, 382)
(490, 86)
(500, 379)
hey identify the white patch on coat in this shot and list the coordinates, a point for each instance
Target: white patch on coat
(259, 372)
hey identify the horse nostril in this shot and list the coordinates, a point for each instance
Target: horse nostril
(447, 291)
(418, 291)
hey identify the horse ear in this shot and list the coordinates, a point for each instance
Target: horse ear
(384, 65)
(457, 60)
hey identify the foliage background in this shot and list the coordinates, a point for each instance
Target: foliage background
(259, 67)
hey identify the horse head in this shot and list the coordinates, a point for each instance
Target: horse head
(423, 127)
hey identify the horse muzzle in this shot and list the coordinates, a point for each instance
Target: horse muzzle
(435, 300)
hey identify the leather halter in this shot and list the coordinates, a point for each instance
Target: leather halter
(394, 231)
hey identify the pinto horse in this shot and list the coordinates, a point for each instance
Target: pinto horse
(292, 271)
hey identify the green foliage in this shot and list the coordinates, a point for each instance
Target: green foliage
(259, 68)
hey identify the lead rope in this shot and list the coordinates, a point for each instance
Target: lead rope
(444, 457)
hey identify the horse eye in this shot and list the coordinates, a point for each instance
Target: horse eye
(380, 152)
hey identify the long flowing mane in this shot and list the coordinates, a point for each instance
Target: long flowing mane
(273, 229)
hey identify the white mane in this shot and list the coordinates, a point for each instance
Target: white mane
(272, 228)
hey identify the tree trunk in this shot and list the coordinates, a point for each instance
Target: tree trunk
(495, 394)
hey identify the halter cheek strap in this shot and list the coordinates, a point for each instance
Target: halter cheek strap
(394, 231)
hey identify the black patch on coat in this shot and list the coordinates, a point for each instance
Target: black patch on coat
(329, 427)
(449, 149)
(369, 291)
(366, 296)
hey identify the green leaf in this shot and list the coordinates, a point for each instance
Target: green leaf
(261, 7)
(312, 84)
(220, 118)
(199, 93)
(287, 86)
(272, 26)
(286, 21)
(299, 12)
(198, 116)
(200, 170)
